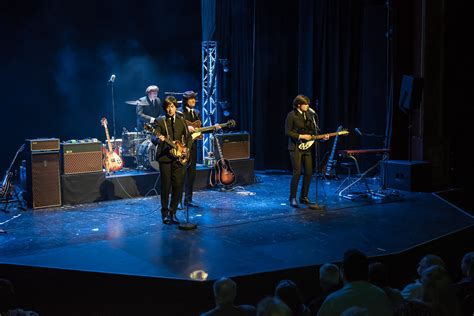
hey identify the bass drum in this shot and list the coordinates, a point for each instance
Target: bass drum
(146, 156)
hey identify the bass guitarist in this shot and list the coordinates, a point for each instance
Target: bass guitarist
(300, 126)
(171, 127)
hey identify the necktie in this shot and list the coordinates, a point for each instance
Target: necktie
(192, 113)
(304, 115)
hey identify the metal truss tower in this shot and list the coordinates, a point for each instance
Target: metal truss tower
(209, 93)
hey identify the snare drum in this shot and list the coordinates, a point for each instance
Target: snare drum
(146, 156)
(130, 143)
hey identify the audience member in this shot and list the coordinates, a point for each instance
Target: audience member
(357, 291)
(8, 301)
(329, 281)
(272, 306)
(355, 311)
(288, 292)
(465, 287)
(225, 291)
(413, 290)
(378, 276)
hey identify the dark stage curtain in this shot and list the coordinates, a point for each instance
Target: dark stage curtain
(331, 50)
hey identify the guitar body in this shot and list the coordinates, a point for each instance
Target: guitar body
(180, 152)
(224, 173)
(112, 161)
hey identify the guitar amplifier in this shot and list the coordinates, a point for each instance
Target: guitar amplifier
(42, 144)
(234, 145)
(81, 157)
(43, 186)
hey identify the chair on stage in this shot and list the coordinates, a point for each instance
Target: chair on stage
(361, 176)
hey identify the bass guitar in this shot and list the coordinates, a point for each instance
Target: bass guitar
(222, 172)
(307, 144)
(329, 169)
(112, 161)
(178, 150)
(199, 130)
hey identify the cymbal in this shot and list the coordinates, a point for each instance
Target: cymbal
(137, 102)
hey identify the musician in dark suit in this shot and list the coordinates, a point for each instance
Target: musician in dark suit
(299, 126)
(148, 107)
(171, 126)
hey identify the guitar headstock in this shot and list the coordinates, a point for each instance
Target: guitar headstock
(230, 123)
(148, 127)
(344, 132)
(103, 121)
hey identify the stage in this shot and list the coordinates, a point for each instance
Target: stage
(245, 230)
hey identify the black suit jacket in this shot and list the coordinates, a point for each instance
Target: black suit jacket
(180, 133)
(146, 112)
(188, 117)
(296, 124)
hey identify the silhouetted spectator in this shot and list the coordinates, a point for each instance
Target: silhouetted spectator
(225, 291)
(413, 290)
(357, 291)
(378, 275)
(272, 306)
(355, 311)
(329, 281)
(437, 293)
(288, 292)
(413, 308)
(465, 287)
(8, 301)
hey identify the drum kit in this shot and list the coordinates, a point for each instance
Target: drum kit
(137, 148)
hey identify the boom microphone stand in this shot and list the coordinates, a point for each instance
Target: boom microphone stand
(316, 205)
(111, 84)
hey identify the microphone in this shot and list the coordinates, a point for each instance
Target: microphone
(358, 131)
(112, 79)
(311, 110)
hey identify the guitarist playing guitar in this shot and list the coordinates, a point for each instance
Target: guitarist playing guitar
(112, 161)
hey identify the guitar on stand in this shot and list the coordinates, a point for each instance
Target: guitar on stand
(7, 189)
(222, 173)
(329, 169)
(112, 161)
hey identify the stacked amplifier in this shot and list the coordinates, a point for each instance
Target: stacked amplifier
(43, 173)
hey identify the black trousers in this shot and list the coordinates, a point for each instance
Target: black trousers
(301, 158)
(172, 178)
(190, 175)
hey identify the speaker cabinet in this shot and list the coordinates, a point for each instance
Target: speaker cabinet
(234, 146)
(408, 175)
(43, 179)
(81, 157)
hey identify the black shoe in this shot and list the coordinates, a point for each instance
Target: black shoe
(306, 201)
(293, 203)
(174, 219)
(167, 219)
(191, 204)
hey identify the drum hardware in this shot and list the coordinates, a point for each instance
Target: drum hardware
(146, 156)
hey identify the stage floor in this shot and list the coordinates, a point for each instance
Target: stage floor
(241, 231)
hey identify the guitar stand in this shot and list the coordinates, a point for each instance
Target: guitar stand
(7, 200)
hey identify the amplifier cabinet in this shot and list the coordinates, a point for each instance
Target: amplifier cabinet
(234, 145)
(43, 179)
(42, 144)
(81, 157)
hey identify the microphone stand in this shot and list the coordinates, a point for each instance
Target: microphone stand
(111, 83)
(316, 205)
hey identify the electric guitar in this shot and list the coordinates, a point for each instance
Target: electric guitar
(198, 130)
(222, 172)
(7, 185)
(178, 150)
(306, 144)
(112, 161)
(329, 169)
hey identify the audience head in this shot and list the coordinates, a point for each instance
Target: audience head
(355, 266)
(428, 261)
(7, 295)
(225, 291)
(355, 311)
(467, 265)
(272, 306)
(288, 292)
(329, 276)
(378, 274)
(435, 281)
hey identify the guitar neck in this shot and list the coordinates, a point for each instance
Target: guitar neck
(321, 136)
(219, 148)
(109, 144)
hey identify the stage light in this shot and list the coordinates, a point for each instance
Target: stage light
(199, 275)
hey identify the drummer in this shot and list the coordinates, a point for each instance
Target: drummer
(148, 107)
